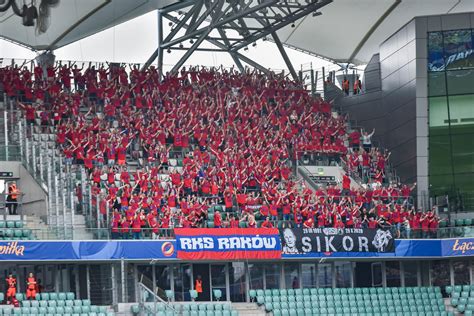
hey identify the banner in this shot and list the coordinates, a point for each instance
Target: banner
(308, 241)
(227, 243)
(457, 247)
(87, 250)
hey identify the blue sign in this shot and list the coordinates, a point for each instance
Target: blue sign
(87, 250)
(457, 247)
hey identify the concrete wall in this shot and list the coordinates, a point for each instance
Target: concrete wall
(34, 198)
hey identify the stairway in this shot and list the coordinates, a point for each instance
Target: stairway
(249, 309)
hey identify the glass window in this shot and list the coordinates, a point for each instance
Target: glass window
(392, 272)
(439, 116)
(325, 275)
(459, 82)
(439, 271)
(343, 274)
(411, 273)
(377, 274)
(237, 281)
(272, 276)
(182, 281)
(435, 51)
(218, 272)
(163, 277)
(461, 272)
(458, 49)
(436, 83)
(291, 276)
(256, 276)
(308, 275)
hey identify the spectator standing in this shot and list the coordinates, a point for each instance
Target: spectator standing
(345, 86)
(367, 140)
(198, 286)
(31, 287)
(12, 198)
(11, 291)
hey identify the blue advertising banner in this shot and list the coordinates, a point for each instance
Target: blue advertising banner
(87, 250)
(457, 247)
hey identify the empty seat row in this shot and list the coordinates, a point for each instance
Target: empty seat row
(11, 224)
(459, 289)
(315, 312)
(331, 291)
(350, 297)
(420, 306)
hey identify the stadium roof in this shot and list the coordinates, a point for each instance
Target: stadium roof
(346, 31)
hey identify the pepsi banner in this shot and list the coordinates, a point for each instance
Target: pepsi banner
(308, 241)
(227, 243)
(87, 250)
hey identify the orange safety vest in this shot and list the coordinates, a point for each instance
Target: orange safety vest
(198, 286)
(13, 191)
(345, 84)
(31, 283)
(11, 282)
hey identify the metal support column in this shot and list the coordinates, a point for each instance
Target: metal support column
(20, 135)
(72, 213)
(285, 56)
(5, 128)
(88, 282)
(114, 286)
(122, 277)
(160, 43)
(56, 202)
(27, 152)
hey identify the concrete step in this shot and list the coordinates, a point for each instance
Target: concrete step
(249, 309)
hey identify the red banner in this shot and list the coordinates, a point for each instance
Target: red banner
(227, 243)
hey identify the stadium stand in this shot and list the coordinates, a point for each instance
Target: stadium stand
(163, 155)
(462, 298)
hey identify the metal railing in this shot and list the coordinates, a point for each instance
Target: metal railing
(168, 234)
(151, 303)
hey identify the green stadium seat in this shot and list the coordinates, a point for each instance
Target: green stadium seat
(53, 296)
(76, 309)
(70, 296)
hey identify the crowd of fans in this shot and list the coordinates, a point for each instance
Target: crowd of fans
(207, 137)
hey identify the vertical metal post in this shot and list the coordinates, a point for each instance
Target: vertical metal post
(64, 205)
(98, 212)
(312, 82)
(27, 152)
(89, 193)
(72, 214)
(114, 286)
(33, 150)
(324, 80)
(50, 189)
(88, 278)
(160, 42)
(122, 277)
(20, 136)
(5, 127)
(76, 274)
(56, 202)
(41, 152)
(107, 219)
